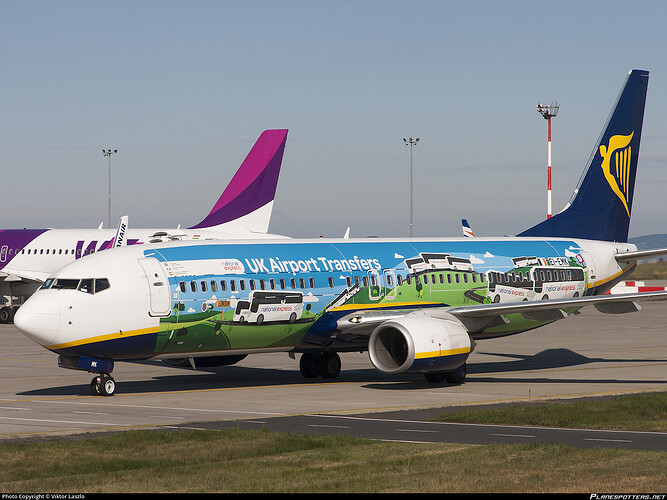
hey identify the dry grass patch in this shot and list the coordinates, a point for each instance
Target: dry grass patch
(262, 461)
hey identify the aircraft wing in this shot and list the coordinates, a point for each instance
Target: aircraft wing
(23, 276)
(480, 316)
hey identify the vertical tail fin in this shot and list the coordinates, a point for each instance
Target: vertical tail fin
(467, 230)
(602, 203)
(247, 201)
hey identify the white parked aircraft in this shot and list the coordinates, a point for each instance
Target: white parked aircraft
(29, 256)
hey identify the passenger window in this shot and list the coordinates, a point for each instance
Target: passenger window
(262, 284)
(282, 284)
(365, 279)
(357, 281)
(214, 286)
(302, 283)
(223, 285)
(252, 284)
(193, 286)
(458, 278)
(348, 280)
(204, 288)
(182, 286)
(399, 279)
(242, 283)
(293, 283)
(272, 284)
(390, 281)
(232, 285)
(331, 282)
(311, 282)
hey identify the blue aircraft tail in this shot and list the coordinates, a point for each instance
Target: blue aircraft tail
(601, 205)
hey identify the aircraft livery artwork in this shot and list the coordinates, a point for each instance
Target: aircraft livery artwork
(415, 304)
(293, 296)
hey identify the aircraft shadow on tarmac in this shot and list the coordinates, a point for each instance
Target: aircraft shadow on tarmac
(546, 360)
(238, 377)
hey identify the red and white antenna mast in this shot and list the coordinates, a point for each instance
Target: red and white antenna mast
(548, 112)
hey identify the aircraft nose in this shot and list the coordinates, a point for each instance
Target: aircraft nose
(39, 318)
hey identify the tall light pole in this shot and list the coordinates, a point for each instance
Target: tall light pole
(107, 153)
(548, 112)
(411, 142)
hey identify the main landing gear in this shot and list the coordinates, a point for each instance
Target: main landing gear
(103, 385)
(315, 364)
(456, 376)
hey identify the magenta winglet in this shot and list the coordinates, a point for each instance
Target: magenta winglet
(254, 184)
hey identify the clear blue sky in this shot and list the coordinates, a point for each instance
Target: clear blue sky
(183, 89)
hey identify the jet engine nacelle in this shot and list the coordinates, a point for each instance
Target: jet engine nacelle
(420, 343)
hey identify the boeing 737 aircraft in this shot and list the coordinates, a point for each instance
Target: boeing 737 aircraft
(416, 305)
(29, 256)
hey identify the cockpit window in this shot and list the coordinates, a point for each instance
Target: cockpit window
(86, 286)
(65, 284)
(47, 284)
(101, 284)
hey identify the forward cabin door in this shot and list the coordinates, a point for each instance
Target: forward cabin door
(158, 285)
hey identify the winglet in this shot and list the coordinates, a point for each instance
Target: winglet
(247, 201)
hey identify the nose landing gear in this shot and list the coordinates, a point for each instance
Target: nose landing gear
(103, 385)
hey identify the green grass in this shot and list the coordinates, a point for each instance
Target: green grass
(268, 462)
(641, 412)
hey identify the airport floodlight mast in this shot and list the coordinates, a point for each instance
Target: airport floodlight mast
(548, 112)
(108, 153)
(411, 142)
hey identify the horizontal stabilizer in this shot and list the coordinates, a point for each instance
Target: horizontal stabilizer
(642, 254)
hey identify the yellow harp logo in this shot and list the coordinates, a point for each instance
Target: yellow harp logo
(618, 174)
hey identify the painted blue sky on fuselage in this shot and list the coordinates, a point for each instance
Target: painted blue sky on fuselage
(313, 257)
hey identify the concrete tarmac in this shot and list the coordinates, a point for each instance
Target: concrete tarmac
(588, 355)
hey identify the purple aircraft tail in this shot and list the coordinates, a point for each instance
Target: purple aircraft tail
(247, 201)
